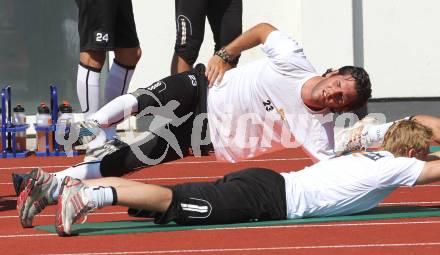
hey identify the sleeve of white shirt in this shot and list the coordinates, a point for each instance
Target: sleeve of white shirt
(285, 53)
(400, 171)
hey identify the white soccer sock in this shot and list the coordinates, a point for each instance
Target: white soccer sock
(117, 110)
(82, 171)
(116, 85)
(376, 133)
(87, 88)
(101, 196)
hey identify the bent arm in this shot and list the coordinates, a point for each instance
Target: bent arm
(255, 36)
(430, 173)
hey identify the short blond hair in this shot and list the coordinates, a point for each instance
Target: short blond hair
(405, 135)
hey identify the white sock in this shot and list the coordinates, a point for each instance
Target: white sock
(376, 133)
(117, 110)
(101, 196)
(82, 171)
(118, 81)
(116, 85)
(87, 88)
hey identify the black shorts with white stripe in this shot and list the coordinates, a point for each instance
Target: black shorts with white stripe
(225, 19)
(254, 194)
(106, 25)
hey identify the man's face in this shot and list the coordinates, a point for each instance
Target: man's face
(336, 92)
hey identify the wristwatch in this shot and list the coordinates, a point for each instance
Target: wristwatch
(223, 54)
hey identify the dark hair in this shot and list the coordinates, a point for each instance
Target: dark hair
(363, 85)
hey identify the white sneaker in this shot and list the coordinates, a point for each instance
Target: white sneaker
(35, 196)
(73, 205)
(109, 147)
(87, 130)
(355, 137)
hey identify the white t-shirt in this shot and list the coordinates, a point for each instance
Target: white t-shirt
(348, 184)
(257, 108)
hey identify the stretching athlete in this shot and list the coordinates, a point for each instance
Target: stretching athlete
(256, 108)
(340, 186)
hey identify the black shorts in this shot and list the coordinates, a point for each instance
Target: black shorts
(254, 194)
(224, 16)
(185, 94)
(106, 25)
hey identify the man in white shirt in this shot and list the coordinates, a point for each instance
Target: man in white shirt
(274, 103)
(340, 186)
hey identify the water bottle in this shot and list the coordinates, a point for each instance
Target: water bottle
(65, 118)
(44, 120)
(19, 118)
(65, 114)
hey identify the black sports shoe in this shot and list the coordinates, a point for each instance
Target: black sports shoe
(20, 181)
(139, 213)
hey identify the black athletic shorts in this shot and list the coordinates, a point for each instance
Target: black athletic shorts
(254, 194)
(225, 19)
(106, 25)
(185, 94)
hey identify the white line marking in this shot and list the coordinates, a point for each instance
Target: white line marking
(158, 178)
(175, 163)
(31, 235)
(53, 215)
(315, 247)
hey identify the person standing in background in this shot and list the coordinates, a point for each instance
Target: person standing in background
(105, 25)
(225, 19)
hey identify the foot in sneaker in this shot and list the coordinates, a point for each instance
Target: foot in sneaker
(87, 130)
(100, 152)
(36, 195)
(354, 138)
(73, 205)
(19, 181)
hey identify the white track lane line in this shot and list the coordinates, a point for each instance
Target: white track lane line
(177, 163)
(259, 249)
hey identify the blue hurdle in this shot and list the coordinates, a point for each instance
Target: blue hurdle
(57, 151)
(9, 130)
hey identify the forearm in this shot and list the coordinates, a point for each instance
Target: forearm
(255, 36)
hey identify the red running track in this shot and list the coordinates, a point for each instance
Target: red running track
(403, 236)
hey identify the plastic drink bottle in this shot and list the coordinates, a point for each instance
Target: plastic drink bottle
(19, 118)
(44, 120)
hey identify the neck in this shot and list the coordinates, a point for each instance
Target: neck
(306, 93)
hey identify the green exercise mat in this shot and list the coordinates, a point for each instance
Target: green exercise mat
(143, 226)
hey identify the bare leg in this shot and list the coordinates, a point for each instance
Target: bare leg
(136, 194)
(93, 59)
(128, 56)
(431, 122)
(179, 65)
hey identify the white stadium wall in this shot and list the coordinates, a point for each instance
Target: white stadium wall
(400, 44)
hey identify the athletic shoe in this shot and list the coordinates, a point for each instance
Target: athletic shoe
(88, 130)
(354, 138)
(35, 196)
(19, 181)
(100, 152)
(73, 205)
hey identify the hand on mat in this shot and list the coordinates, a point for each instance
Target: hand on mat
(216, 69)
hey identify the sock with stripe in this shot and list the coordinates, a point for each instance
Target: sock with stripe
(117, 83)
(87, 88)
(82, 171)
(101, 196)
